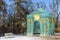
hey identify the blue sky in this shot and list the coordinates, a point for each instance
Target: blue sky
(11, 2)
(46, 1)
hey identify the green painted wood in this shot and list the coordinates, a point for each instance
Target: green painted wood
(47, 27)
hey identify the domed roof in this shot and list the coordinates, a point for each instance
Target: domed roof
(41, 12)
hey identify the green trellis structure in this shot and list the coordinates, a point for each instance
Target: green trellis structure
(42, 22)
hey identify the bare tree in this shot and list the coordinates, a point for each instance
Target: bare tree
(3, 9)
(54, 9)
(3, 6)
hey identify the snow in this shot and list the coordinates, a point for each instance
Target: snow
(20, 38)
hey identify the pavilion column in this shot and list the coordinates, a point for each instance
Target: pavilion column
(28, 27)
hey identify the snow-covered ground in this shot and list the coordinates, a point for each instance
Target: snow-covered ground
(20, 38)
(25, 38)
